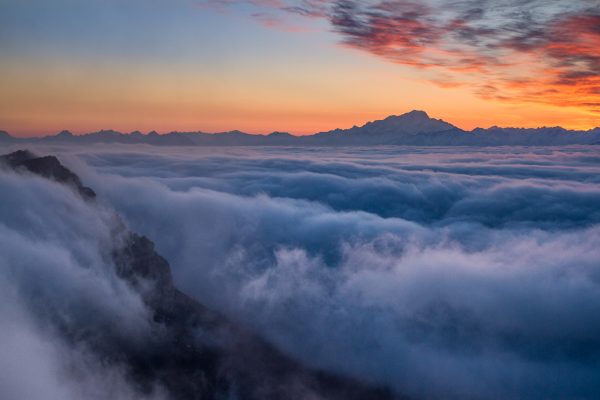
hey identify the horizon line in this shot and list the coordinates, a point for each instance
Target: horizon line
(199, 131)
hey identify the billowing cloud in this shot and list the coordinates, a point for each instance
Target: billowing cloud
(533, 50)
(454, 273)
(59, 294)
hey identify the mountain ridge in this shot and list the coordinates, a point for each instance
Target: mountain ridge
(415, 128)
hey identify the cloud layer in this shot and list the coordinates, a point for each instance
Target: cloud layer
(446, 273)
(454, 273)
(533, 50)
(58, 292)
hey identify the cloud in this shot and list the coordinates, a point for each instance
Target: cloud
(454, 273)
(59, 297)
(532, 51)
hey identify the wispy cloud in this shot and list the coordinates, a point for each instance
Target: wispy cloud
(531, 50)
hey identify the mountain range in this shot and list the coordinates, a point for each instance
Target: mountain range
(415, 128)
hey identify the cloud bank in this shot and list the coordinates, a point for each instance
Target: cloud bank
(58, 293)
(445, 273)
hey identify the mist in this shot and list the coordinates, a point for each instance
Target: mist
(58, 289)
(448, 273)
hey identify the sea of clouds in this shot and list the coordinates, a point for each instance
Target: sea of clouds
(452, 273)
(58, 290)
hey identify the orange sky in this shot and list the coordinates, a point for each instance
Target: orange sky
(42, 102)
(260, 77)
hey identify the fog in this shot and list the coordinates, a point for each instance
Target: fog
(57, 288)
(442, 273)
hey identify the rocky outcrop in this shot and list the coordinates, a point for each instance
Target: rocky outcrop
(191, 351)
(48, 167)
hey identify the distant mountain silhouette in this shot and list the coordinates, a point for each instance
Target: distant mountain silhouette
(5, 137)
(414, 128)
(411, 123)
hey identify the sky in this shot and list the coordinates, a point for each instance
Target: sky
(300, 66)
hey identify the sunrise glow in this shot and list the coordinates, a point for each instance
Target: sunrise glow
(296, 66)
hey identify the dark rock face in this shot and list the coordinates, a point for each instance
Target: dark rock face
(5, 137)
(191, 351)
(48, 167)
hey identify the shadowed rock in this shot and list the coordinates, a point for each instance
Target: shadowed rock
(48, 167)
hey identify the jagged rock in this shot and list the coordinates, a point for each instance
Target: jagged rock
(48, 167)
